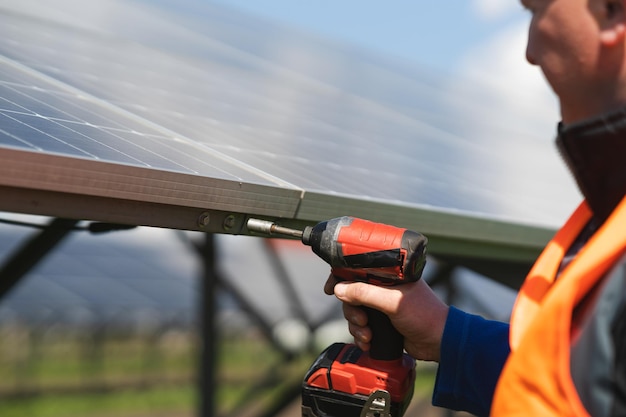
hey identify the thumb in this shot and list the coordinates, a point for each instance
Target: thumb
(368, 295)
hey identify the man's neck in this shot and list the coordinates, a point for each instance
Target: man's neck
(595, 151)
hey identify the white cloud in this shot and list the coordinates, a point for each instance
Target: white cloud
(514, 116)
(509, 79)
(494, 9)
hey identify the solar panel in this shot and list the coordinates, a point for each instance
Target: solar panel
(140, 113)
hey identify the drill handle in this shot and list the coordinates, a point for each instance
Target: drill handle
(387, 343)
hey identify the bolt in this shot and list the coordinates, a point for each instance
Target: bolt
(204, 220)
(229, 222)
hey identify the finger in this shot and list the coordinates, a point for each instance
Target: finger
(365, 347)
(360, 334)
(359, 293)
(329, 286)
(355, 315)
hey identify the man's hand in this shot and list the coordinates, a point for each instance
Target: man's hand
(414, 309)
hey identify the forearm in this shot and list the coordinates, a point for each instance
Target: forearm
(473, 352)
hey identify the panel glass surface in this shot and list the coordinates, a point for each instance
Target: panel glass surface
(37, 114)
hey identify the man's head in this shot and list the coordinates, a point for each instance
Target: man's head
(580, 46)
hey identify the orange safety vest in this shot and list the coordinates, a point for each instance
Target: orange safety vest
(536, 379)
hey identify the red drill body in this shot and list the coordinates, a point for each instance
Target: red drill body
(360, 250)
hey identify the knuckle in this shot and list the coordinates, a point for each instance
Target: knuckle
(359, 291)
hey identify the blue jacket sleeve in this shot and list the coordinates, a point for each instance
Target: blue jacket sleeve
(473, 352)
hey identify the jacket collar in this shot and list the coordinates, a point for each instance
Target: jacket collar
(595, 152)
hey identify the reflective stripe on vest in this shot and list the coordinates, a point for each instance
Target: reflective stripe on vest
(536, 379)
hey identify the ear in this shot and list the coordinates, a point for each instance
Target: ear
(613, 30)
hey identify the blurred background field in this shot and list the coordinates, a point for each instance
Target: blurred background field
(62, 372)
(110, 325)
(69, 371)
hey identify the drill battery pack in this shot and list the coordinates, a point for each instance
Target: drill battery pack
(345, 382)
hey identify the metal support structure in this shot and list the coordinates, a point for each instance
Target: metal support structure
(264, 326)
(226, 284)
(208, 329)
(296, 304)
(32, 252)
(213, 279)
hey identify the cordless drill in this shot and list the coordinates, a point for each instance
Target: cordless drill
(344, 381)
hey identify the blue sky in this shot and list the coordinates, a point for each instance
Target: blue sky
(432, 33)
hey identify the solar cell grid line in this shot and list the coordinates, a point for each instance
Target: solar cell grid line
(77, 106)
(8, 105)
(27, 100)
(39, 134)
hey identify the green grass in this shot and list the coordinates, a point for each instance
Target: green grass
(121, 375)
(55, 369)
(115, 403)
(129, 376)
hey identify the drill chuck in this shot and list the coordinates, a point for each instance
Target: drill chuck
(270, 228)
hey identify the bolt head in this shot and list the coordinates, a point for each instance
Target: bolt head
(204, 219)
(229, 222)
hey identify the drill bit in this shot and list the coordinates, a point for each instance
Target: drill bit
(270, 228)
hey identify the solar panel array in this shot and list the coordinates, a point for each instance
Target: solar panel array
(105, 278)
(167, 103)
